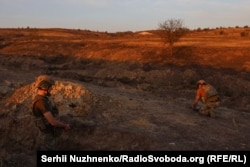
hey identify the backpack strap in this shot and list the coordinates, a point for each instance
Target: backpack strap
(33, 106)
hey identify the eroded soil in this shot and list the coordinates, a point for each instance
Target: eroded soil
(132, 103)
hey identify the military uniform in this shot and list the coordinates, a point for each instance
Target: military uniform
(209, 98)
(47, 133)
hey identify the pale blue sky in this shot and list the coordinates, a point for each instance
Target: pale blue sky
(122, 15)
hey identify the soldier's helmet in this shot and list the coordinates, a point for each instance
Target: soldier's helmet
(43, 77)
(44, 85)
(201, 82)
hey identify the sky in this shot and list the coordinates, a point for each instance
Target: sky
(122, 15)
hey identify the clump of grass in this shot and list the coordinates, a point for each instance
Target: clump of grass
(244, 34)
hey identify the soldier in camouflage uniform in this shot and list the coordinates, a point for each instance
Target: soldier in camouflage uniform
(46, 116)
(208, 96)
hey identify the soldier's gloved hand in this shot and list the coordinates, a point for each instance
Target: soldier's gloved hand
(66, 127)
(195, 108)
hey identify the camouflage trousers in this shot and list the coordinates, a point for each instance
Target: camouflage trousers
(48, 141)
(208, 108)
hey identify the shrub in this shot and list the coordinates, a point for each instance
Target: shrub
(222, 32)
(244, 34)
(171, 31)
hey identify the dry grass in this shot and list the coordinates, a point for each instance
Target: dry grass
(221, 48)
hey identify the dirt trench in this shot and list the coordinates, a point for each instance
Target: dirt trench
(122, 106)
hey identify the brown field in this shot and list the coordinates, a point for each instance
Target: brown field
(134, 95)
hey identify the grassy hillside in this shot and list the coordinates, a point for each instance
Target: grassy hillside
(219, 48)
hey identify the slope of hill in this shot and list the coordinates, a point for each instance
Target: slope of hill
(127, 92)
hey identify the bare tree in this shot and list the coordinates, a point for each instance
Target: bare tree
(171, 31)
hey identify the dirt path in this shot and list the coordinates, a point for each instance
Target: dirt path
(172, 124)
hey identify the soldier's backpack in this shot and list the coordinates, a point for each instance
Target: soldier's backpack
(211, 93)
